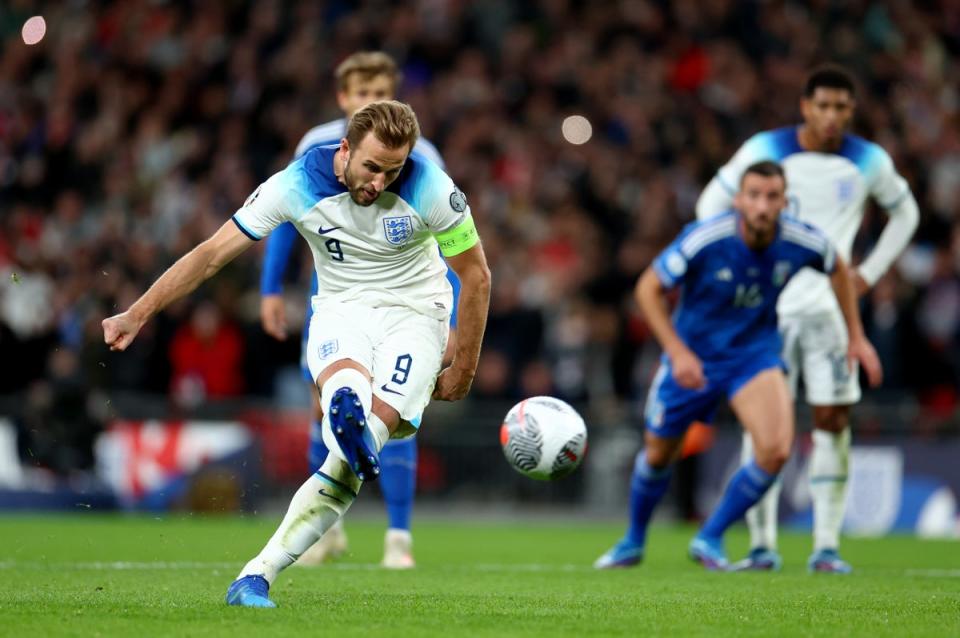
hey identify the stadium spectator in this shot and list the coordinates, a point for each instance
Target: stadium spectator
(134, 129)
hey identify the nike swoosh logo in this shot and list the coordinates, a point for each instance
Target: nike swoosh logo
(324, 231)
(386, 389)
(329, 495)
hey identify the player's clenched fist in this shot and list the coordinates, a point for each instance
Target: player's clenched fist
(688, 370)
(273, 316)
(452, 385)
(120, 330)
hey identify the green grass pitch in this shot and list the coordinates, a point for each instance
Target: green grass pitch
(92, 575)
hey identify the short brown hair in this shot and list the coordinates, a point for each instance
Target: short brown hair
(367, 64)
(766, 168)
(393, 123)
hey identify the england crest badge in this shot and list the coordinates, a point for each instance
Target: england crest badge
(397, 230)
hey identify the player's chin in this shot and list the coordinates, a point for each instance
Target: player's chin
(363, 198)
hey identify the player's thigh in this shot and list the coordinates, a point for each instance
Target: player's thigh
(407, 358)
(671, 409)
(339, 332)
(764, 407)
(827, 377)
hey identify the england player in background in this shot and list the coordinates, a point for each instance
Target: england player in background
(831, 174)
(362, 78)
(373, 214)
(723, 342)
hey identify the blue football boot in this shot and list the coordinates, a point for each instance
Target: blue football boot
(760, 559)
(709, 552)
(828, 561)
(250, 591)
(623, 554)
(349, 425)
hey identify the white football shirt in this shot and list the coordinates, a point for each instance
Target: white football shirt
(384, 254)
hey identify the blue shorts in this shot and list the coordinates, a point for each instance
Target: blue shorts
(671, 408)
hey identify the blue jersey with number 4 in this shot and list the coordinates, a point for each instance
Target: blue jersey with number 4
(728, 304)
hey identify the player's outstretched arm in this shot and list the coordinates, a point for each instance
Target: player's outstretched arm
(180, 279)
(651, 297)
(859, 348)
(471, 267)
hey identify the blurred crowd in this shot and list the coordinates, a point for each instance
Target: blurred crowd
(134, 129)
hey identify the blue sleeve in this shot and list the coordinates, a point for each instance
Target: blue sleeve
(276, 258)
(455, 282)
(671, 265)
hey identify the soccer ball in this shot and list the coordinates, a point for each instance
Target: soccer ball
(543, 438)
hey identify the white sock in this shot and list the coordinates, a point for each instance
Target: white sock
(762, 517)
(347, 378)
(374, 423)
(829, 465)
(316, 506)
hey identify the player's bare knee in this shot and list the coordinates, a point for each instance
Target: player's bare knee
(660, 452)
(771, 456)
(337, 366)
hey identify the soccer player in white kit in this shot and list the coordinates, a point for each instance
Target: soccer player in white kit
(373, 215)
(830, 176)
(362, 78)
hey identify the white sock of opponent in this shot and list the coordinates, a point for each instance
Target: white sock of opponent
(829, 465)
(762, 517)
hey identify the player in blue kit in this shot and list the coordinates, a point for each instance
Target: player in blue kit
(723, 342)
(832, 174)
(362, 78)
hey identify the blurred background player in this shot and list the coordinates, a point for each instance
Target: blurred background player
(723, 341)
(830, 174)
(376, 349)
(362, 78)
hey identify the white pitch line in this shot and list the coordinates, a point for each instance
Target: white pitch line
(199, 565)
(11, 565)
